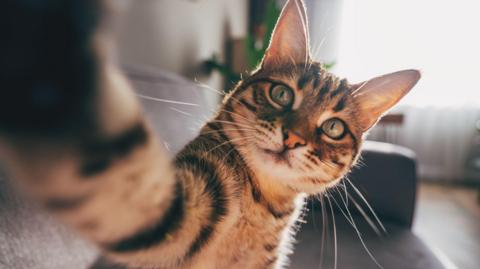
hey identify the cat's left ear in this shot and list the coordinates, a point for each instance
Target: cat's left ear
(376, 96)
(290, 41)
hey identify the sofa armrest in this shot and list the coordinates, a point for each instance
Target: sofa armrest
(386, 177)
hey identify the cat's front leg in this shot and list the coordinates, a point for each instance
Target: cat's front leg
(72, 133)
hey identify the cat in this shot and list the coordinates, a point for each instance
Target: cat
(230, 198)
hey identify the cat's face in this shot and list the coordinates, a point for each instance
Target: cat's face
(299, 124)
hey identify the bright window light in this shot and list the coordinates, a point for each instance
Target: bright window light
(439, 37)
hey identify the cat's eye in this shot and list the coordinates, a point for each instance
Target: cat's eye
(333, 128)
(282, 95)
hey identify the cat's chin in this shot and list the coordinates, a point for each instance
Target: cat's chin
(277, 160)
(279, 157)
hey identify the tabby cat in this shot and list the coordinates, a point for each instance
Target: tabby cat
(231, 196)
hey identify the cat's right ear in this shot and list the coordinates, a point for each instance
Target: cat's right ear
(377, 95)
(289, 43)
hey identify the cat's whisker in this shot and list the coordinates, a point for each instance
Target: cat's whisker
(241, 143)
(324, 230)
(360, 237)
(358, 207)
(293, 63)
(180, 111)
(204, 184)
(341, 210)
(316, 49)
(322, 42)
(339, 189)
(345, 189)
(334, 234)
(208, 87)
(260, 135)
(328, 164)
(245, 108)
(366, 217)
(231, 129)
(248, 132)
(313, 213)
(367, 204)
(359, 162)
(262, 131)
(306, 65)
(353, 93)
(167, 146)
(233, 123)
(236, 100)
(229, 152)
(239, 115)
(230, 141)
(166, 100)
(319, 47)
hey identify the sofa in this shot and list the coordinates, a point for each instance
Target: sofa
(385, 176)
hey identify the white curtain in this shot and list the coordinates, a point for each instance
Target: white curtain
(442, 39)
(442, 137)
(439, 37)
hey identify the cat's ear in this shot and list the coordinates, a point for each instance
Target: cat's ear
(376, 96)
(289, 42)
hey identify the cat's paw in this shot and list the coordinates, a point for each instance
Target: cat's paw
(47, 66)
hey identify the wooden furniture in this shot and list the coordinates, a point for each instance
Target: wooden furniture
(392, 119)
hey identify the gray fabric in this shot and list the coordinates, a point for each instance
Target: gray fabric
(399, 249)
(386, 177)
(175, 123)
(30, 239)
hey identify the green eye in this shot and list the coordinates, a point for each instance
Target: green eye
(334, 128)
(281, 95)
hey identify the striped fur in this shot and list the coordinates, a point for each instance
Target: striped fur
(214, 211)
(232, 196)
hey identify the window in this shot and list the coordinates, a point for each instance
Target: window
(441, 38)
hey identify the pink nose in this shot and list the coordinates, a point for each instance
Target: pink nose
(292, 140)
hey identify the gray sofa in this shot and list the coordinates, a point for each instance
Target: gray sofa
(31, 239)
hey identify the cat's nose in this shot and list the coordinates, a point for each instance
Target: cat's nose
(292, 140)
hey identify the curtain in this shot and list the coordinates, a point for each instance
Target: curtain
(445, 140)
(441, 38)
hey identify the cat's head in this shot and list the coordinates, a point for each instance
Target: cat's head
(297, 124)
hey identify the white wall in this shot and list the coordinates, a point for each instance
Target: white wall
(178, 35)
(325, 27)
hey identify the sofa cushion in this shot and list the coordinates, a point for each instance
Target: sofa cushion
(399, 248)
(29, 238)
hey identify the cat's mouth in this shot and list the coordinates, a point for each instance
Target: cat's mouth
(279, 156)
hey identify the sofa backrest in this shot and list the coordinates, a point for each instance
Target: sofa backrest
(29, 238)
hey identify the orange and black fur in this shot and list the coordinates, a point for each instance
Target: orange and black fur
(231, 197)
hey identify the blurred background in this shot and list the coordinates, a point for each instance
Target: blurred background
(213, 42)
